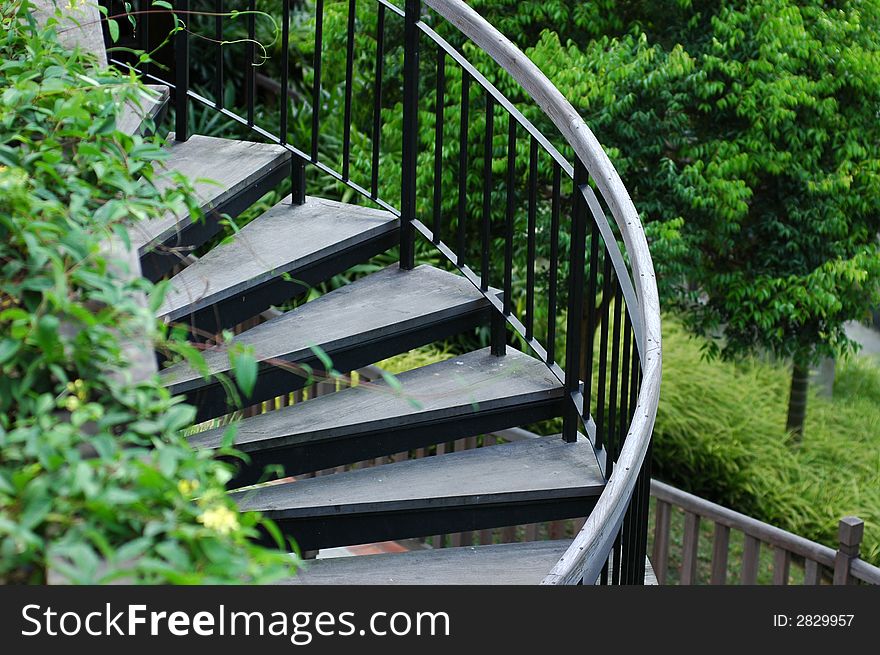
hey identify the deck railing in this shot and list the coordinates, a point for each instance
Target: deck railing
(548, 212)
(820, 563)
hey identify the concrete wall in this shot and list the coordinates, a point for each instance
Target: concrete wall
(78, 24)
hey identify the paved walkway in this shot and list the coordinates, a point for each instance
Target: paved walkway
(868, 337)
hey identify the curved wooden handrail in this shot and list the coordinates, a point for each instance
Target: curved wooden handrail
(588, 552)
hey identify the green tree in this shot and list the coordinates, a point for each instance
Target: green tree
(751, 132)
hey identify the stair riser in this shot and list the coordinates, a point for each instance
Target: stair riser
(347, 530)
(243, 306)
(156, 263)
(273, 381)
(316, 456)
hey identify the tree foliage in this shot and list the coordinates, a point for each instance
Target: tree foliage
(751, 131)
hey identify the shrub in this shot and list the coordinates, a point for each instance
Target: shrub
(96, 481)
(720, 434)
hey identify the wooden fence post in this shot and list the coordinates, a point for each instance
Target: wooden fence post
(690, 542)
(660, 557)
(850, 532)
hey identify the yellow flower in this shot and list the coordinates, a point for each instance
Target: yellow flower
(219, 518)
(187, 487)
(79, 388)
(72, 403)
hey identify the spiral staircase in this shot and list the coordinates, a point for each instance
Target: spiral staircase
(304, 241)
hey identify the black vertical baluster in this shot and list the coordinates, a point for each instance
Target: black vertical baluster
(623, 412)
(638, 569)
(615, 417)
(616, 553)
(250, 72)
(622, 426)
(463, 164)
(316, 84)
(611, 446)
(487, 190)
(438, 142)
(634, 380)
(143, 26)
(623, 421)
(218, 38)
(509, 215)
(349, 83)
(636, 562)
(297, 181)
(607, 286)
(640, 520)
(530, 250)
(411, 34)
(181, 72)
(285, 68)
(591, 316)
(643, 517)
(575, 304)
(624, 537)
(377, 99)
(630, 535)
(554, 263)
(628, 539)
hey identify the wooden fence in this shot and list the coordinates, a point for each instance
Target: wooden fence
(817, 563)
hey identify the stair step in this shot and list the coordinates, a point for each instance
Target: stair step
(375, 317)
(152, 107)
(472, 394)
(525, 563)
(274, 258)
(527, 481)
(228, 176)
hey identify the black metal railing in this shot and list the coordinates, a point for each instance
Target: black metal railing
(490, 182)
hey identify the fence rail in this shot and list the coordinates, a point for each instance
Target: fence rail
(820, 563)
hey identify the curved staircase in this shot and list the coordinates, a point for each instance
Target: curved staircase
(597, 469)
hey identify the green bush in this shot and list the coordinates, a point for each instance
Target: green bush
(96, 481)
(720, 433)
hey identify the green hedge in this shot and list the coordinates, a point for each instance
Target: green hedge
(720, 433)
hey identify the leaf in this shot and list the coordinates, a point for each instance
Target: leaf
(167, 462)
(113, 27)
(274, 532)
(47, 332)
(325, 360)
(229, 436)
(244, 367)
(179, 416)
(8, 348)
(133, 549)
(106, 126)
(392, 381)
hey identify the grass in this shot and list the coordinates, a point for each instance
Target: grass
(720, 434)
(416, 358)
